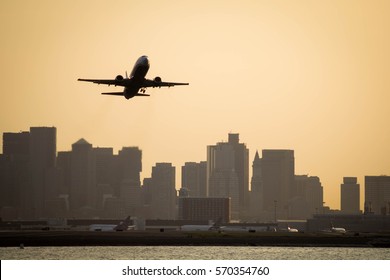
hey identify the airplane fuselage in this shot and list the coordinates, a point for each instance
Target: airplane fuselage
(141, 68)
(137, 76)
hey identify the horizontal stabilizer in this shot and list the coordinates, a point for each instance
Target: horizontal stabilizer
(113, 93)
(142, 94)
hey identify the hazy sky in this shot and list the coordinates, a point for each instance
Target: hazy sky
(312, 76)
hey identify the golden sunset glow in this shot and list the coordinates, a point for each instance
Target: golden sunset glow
(312, 76)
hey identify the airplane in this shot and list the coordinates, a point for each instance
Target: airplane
(338, 230)
(214, 227)
(136, 84)
(122, 226)
(289, 229)
(197, 228)
(333, 229)
(292, 229)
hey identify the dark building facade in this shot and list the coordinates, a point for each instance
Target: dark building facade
(278, 181)
(350, 196)
(15, 175)
(204, 209)
(16, 143)
(228, 174)
(193, 178)
(162, 192)
(43, 152)
(377, 194)
(83, 191)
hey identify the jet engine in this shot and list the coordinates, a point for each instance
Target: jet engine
(119, 78)
(157, 79)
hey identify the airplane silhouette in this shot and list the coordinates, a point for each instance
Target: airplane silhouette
(136, 84)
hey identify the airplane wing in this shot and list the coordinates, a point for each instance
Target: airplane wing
(115, 82)
(121, 94)
(113, 93)
(154, 83)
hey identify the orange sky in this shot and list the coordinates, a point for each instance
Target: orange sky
(312, 76)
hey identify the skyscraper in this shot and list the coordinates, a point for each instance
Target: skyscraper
(222, 176)
(314, 195)
(42, 158)
(278, 181)
(256, 195)
(228, 174)
(64, 163)
(130, 166)
(83, 191)
(15, 176)
(104, 163)
(377, 194)
(163, 192)
(241, 165)
(350, 196)
(308, 197)
(193, 178)
(16, 143)
(130, 162)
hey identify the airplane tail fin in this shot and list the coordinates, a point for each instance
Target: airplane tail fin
(123, 225)
(217, 224)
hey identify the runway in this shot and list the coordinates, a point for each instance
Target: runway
(178, 238)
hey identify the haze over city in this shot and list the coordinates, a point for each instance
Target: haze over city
(303, 75)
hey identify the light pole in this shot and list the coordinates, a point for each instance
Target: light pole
(275, 210)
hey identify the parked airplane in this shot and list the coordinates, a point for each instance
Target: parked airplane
(197, 227)
(338, 230)
(333, 229)
(122, 226)
(214, 226)
(289, 229)
(292, 229)
(136, 84)
(233, 228)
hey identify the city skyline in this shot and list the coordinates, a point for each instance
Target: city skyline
(47, 135)
(302, 75)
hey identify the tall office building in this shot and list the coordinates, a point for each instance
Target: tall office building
(241, 165)
(104, 168)
(16, 143)
(278, 181)
(222, 176)
(83, 191)
(15, 175)
(228, 174)
(256, 195)
(193, 178)
(42, 159)
(308, 197)
(130, 164)
(350, 196)
(163, 192)
(377, 194)
(104, 158)
(314, 195)
(64, 160)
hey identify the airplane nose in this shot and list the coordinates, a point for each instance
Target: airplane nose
(145, 60)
